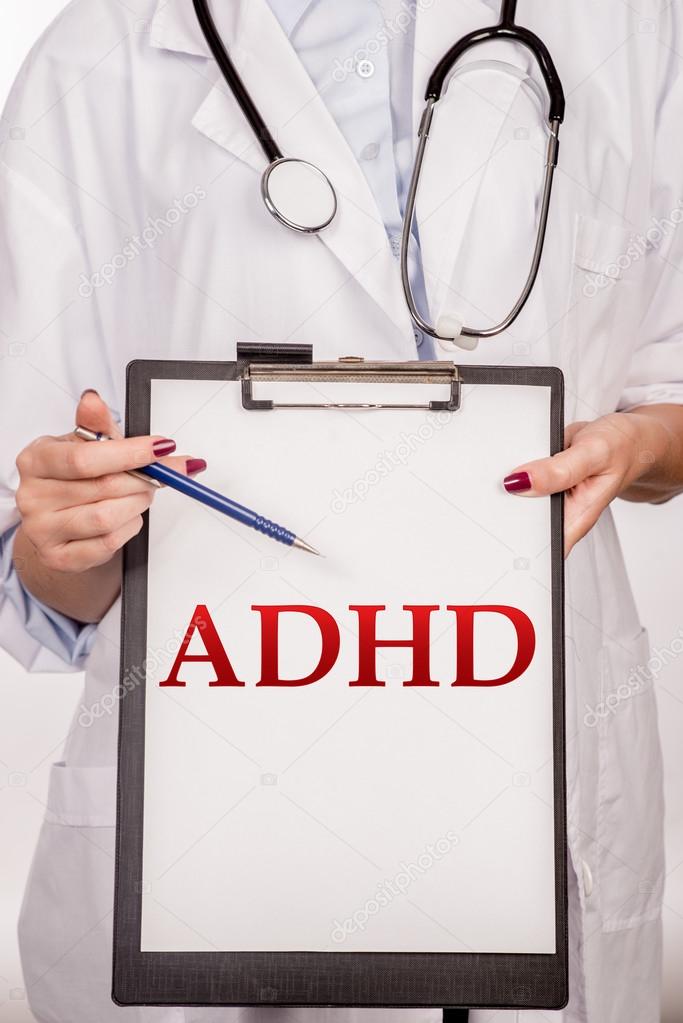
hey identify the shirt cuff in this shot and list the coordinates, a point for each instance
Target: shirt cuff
(70, 641)
(651, 394)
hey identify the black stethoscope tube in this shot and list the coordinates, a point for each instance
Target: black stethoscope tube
(237, 86)
(508, 31)
(508, 12)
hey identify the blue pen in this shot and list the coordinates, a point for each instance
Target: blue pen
(162, 475)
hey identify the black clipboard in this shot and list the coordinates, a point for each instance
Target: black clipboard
(343, 979)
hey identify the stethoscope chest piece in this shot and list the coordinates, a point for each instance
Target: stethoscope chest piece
(299, 195)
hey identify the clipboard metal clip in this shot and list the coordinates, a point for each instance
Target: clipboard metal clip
(352, 370)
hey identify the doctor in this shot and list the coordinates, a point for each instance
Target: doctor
(131, 226)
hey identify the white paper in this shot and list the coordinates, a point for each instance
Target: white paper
(327, 817)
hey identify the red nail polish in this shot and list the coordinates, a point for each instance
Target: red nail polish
(195, 465)
(518, 483)
(163, 447)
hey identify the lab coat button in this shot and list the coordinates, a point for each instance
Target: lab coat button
(370, 152)
(587, 879)
(365, 68)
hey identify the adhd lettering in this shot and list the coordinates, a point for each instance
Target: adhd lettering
(419, 642)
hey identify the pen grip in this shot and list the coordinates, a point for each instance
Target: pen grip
(219, 502)
(274, 531)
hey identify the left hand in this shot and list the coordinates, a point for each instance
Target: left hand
(602, 459)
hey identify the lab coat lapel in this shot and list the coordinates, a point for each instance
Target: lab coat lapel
(303, 127)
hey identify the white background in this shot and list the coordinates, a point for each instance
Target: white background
(35, 711)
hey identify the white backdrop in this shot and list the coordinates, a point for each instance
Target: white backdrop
(35, 711)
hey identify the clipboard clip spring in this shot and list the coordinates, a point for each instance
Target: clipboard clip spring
(352, 369)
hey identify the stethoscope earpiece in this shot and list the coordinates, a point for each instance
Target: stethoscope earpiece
(449, 329)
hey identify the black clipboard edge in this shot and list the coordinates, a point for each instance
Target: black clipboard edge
(196, 979)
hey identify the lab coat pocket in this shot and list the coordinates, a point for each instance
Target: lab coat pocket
(66, 919)
(602, 251)
(603, 309)
(630, 797)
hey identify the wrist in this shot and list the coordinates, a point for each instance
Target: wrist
(655, 444)
(657, 471)
(83, 596)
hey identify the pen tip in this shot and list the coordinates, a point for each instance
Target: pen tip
(303, 546)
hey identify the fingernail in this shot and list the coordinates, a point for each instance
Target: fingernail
(89, 390)
(163, 447)
(517, 483)
(194, 465)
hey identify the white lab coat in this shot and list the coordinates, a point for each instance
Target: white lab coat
(117, 119)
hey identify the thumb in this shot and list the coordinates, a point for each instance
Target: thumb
(556, 474)
(94, 414)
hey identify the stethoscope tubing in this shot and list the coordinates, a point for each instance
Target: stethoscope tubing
(409, 219)
(508, 33)
(236, 85)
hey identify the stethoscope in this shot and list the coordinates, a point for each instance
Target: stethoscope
(300, 196)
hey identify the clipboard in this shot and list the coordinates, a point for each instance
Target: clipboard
(393, 832)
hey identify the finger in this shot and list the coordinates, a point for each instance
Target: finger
(60, 494)
(193, 466)
(103, 517)
(47, 496)
(51, 458)
(180, 463)
(572, 431)
(87, 521)
(557, 474)
(186, 464)
(80, 555)
(94, 414)
(583, 508)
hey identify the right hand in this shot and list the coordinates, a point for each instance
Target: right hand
(78, 504)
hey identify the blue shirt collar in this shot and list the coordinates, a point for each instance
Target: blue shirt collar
(290, 12)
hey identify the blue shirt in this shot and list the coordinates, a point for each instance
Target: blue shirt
(69, 640)
(359, 55)
(347, 50)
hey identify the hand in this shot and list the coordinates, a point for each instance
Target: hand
(619, 454)
(79, 506)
